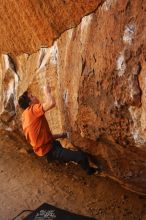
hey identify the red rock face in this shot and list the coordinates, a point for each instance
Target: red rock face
(104, 75)
(102, 80)
(27, 25)
(97, 74)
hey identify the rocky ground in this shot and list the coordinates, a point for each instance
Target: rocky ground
(26, 182)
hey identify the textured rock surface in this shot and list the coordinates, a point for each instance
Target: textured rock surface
(97, 74)
(65, 186)
(26, 25)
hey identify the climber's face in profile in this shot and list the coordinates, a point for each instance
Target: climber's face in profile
(27, 99)
(33, 99)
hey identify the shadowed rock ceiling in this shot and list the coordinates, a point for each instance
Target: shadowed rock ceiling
(26, 25)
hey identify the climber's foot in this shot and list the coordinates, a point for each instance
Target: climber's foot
(92, 171)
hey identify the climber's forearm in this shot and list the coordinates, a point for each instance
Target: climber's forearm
(62, 135)
(49, 99)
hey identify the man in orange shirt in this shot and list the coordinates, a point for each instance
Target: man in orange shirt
(38, 134)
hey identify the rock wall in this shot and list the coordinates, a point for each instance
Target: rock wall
(97, 74)
(27, 25)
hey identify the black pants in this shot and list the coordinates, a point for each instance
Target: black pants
(65, 155)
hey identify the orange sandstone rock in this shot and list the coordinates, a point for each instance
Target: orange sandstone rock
(97, 74)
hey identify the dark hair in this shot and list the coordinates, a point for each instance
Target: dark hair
(24, 100)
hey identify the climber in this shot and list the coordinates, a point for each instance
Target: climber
(38, 134)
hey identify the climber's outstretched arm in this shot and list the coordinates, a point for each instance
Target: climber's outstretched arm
(49, 99)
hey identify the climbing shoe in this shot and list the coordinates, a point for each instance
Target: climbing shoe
(92, 170)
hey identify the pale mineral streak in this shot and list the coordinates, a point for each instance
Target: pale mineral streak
(129, 33)
(85, 25)
(121, 65)
(107, 5)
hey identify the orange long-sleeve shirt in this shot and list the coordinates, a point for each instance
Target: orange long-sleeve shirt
(36, 129)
